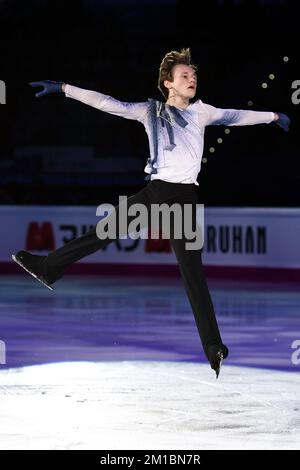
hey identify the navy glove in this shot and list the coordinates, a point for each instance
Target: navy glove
(49, 87)
(283, 121)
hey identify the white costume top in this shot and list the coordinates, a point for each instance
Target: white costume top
(181, 162)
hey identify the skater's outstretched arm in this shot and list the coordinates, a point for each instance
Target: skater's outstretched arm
(106, 103)
(241, 117)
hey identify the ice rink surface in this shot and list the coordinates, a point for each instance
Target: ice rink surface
(111, 363)
(148, 405)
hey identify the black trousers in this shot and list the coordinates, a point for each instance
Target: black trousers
(189, 261)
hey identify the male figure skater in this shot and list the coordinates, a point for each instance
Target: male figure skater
(175, 130)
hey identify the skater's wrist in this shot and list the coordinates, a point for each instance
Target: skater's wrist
(283, 121)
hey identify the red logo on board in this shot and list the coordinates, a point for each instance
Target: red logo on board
(40, 237)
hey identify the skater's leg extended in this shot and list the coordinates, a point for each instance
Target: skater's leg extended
(52, 267)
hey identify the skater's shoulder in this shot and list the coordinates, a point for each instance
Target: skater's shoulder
(198, 104)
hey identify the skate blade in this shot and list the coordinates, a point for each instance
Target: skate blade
(218, 369)
(29, 272)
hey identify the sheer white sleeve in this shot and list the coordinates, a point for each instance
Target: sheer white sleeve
(236, 117)
(108, 104)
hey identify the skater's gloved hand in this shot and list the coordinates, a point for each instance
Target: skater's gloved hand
(283, 121)
(49, 87)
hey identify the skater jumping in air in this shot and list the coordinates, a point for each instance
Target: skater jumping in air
(175, 129)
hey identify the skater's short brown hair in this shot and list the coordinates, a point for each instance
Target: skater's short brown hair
(169, 61)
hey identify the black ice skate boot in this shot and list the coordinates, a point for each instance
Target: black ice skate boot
(216, 354)
(33, 264)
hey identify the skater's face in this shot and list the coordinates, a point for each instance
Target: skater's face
(184, 81)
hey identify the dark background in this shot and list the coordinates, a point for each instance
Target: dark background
(116, 47)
